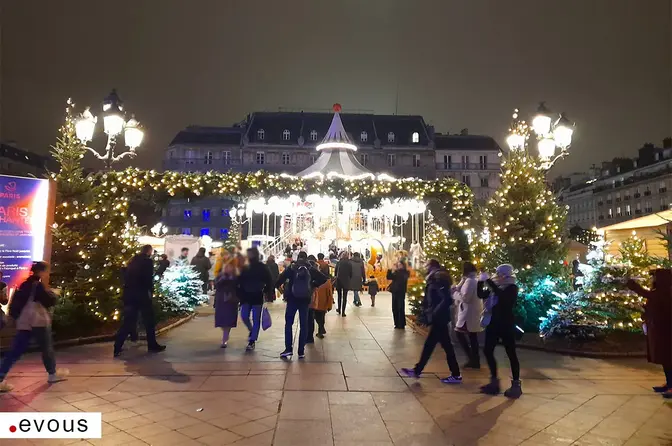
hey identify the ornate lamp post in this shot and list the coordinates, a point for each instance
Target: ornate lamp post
(114, 124)
(550, 135)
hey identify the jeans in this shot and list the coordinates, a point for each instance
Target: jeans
(129, 324)
(399, 309)
(438, 333)
(494, 333)
(21, 343)
(294, 305)
(342, 299)
(255, 325)
(470, 346)
(356, 300)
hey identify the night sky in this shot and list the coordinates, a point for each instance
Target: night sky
(459, 63)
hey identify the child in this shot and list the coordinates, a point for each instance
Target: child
(226, 301)
(373, 289)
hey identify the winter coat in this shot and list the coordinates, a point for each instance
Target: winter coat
(437, 301)
(469, 306)
(323, 297)
(317, 279)
(163, 266)
(202, 265)
(41, 295)
(226, 301)
(138, 281)
(253, 282)
(373, 287)
(503, 312)
(274, 270)
(343, 274)
(358, 276)
(323, 266)
(658, 316)
(399, 278)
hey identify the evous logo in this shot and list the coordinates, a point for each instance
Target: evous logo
(51, 425)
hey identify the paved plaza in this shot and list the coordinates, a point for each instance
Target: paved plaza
(347, 392)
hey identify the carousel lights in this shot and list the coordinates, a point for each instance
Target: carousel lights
(336, 145)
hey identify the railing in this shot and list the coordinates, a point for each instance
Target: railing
(453, 166)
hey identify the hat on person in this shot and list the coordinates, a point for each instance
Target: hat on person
(505, 270)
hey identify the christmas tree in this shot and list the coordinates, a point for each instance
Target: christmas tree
(441, 245)
(180, 289)
(525, 229)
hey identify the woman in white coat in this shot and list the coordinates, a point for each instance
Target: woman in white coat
(469, 309)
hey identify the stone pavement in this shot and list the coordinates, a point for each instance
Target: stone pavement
(347, 392)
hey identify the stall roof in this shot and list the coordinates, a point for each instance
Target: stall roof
(647, 221)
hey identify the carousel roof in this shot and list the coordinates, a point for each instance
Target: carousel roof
(337, 157)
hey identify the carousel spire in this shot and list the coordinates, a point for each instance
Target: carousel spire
(336, 137)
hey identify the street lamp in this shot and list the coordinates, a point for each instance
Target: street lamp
(550, 135)
(114, 124)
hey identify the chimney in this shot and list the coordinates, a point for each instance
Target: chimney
(464, 132)
(667, 143)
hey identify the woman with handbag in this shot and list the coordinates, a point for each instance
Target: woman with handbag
(30, 310)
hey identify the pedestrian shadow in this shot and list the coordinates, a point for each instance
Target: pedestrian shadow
(472, 424)
(153, 366)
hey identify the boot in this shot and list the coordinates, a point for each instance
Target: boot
(491, 388)
(515, 391)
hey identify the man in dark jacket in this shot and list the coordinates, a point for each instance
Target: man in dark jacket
(164, 263)
(137, 297)
(253, 283)
(343, 274)
(293, 276)
(358, 277)
(202, 265)
(275, 273)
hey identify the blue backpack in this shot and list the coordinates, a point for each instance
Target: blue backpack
(301, 286)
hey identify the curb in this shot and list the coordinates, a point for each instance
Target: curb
(560, 351)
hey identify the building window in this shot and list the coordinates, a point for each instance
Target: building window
(609, 200)
(610, 213)
(628, 210)
(483, 162)
(637, 193)
(647, 191)
(190, 155)
(261, 157)
(205, 231)
(391, 160)
(662, 206)
(208, 158)
(648, 207)
(465, 161)
(187, 214)
(484, 182)
(225, 212)
(364, 158)
(285, 158)
(415, 138)
(186, 231)
(447, 162)
(286, 134)
(416, 160)
(363, 137)
(226, 157)
(466, 179)
(313, 135)
(390, 137)
(206, 214)
(313, 158)
(223, 233)
(261, 134)
(662, 187)
(618, 197)
(618, 211)
(638, 208)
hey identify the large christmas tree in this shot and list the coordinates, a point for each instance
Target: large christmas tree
(525, 229)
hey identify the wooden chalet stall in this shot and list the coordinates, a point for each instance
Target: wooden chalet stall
(647, 228)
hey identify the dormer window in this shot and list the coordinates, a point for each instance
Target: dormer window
(261, 134)
(286, 135)
(363, 137)
(416, 137)
(313, 135)
(390, 137)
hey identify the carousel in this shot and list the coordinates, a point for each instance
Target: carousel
(321, 223)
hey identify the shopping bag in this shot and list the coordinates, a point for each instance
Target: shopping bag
(266, 321)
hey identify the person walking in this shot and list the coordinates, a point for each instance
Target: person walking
(343, 279)
(202, 265)
(499, 308)
(658, 319)
(436, 307)
(322, 301)
(372, 285)
(469, 309)
(137, 298)
(163, 265)
(253, 282)
(29, 308)
(358, 277)
(299, 280)
(399, 277)
(275, 273)
(226, 301)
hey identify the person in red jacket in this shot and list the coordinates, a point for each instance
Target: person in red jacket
(658, 320)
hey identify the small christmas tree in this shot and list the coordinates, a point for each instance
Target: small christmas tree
(180, 289)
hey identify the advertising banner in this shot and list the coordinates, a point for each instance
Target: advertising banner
(25, 213)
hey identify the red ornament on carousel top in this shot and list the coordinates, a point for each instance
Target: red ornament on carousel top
(337, 108)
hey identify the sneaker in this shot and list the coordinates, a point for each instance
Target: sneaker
(5, 387)
(157, 348)
(320, 335)
(338, 311)
(661, 389)
(302, 355)
(224, 345)
(452, 380)
(59, 376)
(492, 388)
(343, 314)
(515, 391)
(410, 373)
(286, 354)
(117, 353)
(250, 346)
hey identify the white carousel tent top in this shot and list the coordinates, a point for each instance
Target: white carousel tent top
(337, 157)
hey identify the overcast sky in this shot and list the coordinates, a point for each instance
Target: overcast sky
(458, 63)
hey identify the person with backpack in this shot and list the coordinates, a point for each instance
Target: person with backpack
(299, 281)
(254, 280)
(30, 310)
(436, 310)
